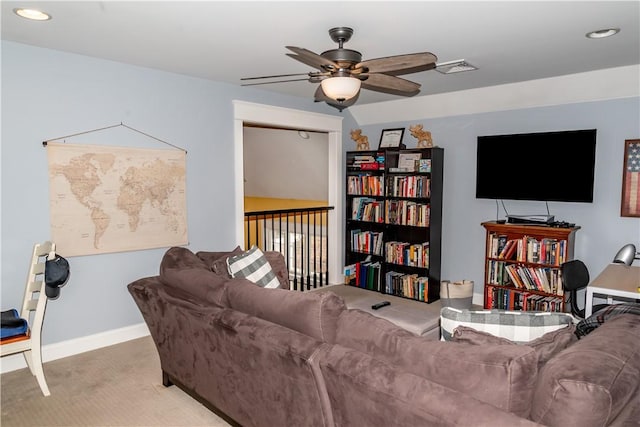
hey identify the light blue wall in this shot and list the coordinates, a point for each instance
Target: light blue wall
(603, 230)
(47, 94)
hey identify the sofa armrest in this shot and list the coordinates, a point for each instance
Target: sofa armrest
(595, 381)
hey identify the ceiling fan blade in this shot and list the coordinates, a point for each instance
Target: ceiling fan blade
(274, 76)
(310, 79)
(391, 84)
(400, 64)
(312, 59)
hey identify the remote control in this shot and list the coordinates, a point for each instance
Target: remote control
(380, 305)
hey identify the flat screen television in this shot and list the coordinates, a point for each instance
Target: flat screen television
(546, 166)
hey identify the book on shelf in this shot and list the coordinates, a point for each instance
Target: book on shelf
(350, 273)
(363, 158)
(370, 166)
(506, 248)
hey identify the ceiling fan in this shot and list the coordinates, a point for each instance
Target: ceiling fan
(342, 72)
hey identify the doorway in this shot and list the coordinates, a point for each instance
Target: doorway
(295, 119)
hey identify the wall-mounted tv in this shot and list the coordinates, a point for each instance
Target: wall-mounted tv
(546, 166)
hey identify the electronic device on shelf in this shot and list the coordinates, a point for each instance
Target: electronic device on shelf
(530, 219)
(562, 224)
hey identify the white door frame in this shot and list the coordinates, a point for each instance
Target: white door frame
(303, 120)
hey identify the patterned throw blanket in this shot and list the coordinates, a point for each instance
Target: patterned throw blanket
(587, 325)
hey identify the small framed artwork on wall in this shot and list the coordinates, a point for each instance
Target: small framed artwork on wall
(630, 205)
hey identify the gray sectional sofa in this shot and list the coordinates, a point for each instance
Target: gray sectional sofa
(275, 357)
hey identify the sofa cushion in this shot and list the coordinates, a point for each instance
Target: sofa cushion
(182, 270)
(502, 375)
(594, 380)
(547, 346)
(217, 261)
(253, 266)
(518, 326)
(279, 266)
(312, 313)
(365, 391)
(179, 257)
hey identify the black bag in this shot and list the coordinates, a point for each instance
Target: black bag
(56, 274)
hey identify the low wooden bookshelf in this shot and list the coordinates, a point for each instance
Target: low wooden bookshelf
(522, 266)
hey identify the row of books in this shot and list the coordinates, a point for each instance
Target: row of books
(407, 285)
(366, 162)
(364, 274)
(406, 212)
(543, 279)
(547, 251)
(369, 242)
(403, 253)
(408, 186)
(506, 299)
(367, 209)
(365, 185)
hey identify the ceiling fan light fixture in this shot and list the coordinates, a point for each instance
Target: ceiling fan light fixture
(340, 88)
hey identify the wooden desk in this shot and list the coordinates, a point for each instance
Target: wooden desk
(616, 280)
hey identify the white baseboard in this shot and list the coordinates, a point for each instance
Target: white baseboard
(77, 346)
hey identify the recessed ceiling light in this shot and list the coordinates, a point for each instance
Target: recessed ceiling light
(452, 67)
(33, 14)
(600, 34)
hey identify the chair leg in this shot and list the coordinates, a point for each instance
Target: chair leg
(34, 362)
(29, 360)
(36, 357)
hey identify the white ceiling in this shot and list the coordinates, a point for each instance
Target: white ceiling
(509, 41)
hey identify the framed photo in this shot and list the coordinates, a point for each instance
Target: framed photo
(391, 138)
(407, 161)
(630, 205)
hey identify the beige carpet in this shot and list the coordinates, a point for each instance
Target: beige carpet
(120, 385)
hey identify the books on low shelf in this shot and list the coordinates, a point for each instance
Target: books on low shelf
(407, 285)
(365, 274)
(506, 299)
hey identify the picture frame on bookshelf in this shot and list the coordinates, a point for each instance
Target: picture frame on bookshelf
(630, 204)
(407, 161)
(391, 138)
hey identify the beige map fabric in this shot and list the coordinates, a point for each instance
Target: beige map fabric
(113, 199)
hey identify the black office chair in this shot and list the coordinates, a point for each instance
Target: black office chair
(575, 276)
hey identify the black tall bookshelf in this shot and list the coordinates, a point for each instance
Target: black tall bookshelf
(393, 227)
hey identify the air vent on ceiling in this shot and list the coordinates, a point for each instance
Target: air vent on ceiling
(451, 67)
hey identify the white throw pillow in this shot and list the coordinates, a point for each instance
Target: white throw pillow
(253, 266)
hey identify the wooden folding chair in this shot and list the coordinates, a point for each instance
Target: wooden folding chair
(34, 304)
